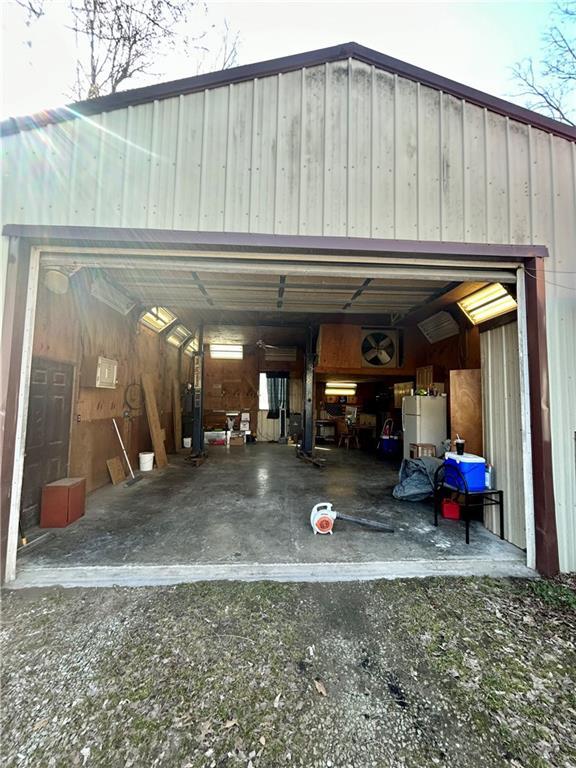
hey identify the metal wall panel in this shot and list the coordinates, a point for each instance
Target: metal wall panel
(502, 427)
(337, 149)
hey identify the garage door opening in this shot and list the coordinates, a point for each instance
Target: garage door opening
(249, 363)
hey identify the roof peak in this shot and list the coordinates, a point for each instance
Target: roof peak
(350, 50)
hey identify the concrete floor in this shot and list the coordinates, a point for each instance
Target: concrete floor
(251, 505)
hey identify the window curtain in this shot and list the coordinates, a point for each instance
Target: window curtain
(277, 383)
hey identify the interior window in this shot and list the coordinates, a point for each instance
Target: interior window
(263, 403)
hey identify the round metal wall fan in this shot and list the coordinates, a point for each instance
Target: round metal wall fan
(378, 348)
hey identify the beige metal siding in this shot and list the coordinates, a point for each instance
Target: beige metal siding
(338, 149)
(502, 427)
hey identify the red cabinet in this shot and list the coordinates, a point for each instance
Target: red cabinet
(63, 501)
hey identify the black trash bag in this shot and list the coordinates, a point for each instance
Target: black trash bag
(416, 479)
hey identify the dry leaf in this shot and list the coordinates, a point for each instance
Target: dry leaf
(230, 723)
(262, 741)
(277, 701)
(320, 687)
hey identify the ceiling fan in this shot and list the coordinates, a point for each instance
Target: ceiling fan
(261, 344)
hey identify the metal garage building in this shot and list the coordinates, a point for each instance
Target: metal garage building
(338, 163)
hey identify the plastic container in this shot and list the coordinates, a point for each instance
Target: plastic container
(146, 461)
(450, 509)
(472, 467)
(187, 442)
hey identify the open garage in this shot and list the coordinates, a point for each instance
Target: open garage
(256, 276)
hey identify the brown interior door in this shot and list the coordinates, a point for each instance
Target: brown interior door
(47, 433)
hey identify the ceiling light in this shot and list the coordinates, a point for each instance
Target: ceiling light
(347, 384)
(56, 281)
(340, 389)
(489, 302)
(108, 294)
(227, 351)
(439, 326)
(178, 335)
(157, 318)
(191, 348)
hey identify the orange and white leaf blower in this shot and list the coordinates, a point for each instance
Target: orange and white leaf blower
(323, 516)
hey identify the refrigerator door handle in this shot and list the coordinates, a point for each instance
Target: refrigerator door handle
(403, 425)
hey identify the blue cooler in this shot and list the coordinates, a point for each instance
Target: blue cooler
(472, 467)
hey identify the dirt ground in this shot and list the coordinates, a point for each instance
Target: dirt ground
(436, 672)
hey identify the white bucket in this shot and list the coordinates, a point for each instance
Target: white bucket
(146, 462)
(187, 442)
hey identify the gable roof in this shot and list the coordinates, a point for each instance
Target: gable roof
(284, 64)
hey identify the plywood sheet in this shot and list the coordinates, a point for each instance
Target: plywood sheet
(466, 408)
(116, 470)
(154, 420)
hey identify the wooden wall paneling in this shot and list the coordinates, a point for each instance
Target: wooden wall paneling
(154, 419)
(466, 408)
(339, 346)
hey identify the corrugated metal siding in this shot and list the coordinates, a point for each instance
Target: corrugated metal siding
(502, 427)
(339, 149)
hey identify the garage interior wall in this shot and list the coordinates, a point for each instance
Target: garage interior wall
(74, 327)
(233, 385)
(343, 149)
(503, 426)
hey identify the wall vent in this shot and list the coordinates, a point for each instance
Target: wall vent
(280, 354)
(439, 326)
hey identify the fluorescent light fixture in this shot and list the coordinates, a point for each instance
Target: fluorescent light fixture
(191, 348)
(178, 335)
(489, 302)
(157, 318)
(439, 326)
(227, 351)
(340, 388)
(108, 294)
(346, 384)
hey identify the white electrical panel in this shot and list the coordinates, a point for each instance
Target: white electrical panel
(101, 372)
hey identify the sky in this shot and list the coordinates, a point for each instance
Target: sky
(475, 43)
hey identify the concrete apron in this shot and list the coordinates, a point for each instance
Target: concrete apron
(152, 575)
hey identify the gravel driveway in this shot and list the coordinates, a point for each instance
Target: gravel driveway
(436, 672)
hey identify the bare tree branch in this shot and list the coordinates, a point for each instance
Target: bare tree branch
(552, 89)
(124, 38)
(34, 8)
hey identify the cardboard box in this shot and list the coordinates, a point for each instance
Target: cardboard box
(367, 419)
(417, 450)
(236, 440)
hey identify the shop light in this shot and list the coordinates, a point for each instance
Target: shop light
(191, 348)
(340, 388)
(489, 302)
(158, 318)
(227, 351)
(178, 335)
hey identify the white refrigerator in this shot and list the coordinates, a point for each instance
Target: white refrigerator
(424, 421)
